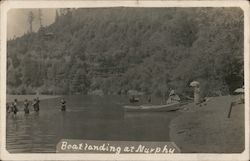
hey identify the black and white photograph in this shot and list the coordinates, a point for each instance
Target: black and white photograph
(121, 80)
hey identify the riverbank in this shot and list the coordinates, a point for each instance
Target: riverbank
(10, 98)
(207, 129)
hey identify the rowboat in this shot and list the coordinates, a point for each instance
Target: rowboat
(153, 108)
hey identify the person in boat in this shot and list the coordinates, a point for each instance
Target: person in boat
(133, 99)
(173, 97)
(149, 99)
(14, 107)
(63, 104)
(26, 107)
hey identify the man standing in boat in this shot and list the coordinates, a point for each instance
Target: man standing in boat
(173, 97)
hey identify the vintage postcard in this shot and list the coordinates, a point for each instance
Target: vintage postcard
(124, 80)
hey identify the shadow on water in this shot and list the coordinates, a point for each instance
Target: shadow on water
(90, 118)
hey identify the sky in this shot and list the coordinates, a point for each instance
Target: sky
(17, 20)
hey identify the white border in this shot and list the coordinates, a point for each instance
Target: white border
(6, 5)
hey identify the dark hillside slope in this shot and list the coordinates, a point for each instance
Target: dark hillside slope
(146, 49)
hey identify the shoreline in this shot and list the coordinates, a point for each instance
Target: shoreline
(10, 98)
(207, 129)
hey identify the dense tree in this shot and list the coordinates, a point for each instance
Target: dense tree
(152, 50)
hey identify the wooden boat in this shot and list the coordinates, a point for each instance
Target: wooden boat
(153, 108)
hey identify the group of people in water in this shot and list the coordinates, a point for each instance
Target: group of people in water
(13, 106)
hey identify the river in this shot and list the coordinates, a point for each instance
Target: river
(86, 117)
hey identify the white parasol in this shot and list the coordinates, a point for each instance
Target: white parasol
(239, 90)
(194, 84)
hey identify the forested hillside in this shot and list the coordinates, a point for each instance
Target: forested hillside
(114, 50)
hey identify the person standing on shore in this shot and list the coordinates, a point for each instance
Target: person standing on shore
(197, 92)
(26, 107)
(63, 104)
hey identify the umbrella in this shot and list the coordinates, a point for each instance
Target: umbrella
(239, 90)
(194, 84)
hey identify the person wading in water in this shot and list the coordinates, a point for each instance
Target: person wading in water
(35, 105)
(14, 107)
(26, 107)
(8, 108)
(63, 104)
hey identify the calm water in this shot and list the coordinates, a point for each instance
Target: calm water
(87, 117)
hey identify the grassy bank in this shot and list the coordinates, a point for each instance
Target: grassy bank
(207, 129)
(10, 98)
